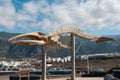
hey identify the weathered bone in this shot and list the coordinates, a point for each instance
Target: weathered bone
(30, 42)
(34, 35)
(79, 33)
(53, 37)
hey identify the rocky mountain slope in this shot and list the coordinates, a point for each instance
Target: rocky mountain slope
(88, 47)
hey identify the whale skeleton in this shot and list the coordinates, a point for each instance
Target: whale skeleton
(38, 38)
(79, 33)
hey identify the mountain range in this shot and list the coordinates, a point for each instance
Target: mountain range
(83, 46)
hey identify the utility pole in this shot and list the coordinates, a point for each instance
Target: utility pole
(88, 65)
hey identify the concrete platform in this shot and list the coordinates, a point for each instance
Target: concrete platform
(61, 78)
(80, 78)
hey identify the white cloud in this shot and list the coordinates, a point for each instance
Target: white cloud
(87, 14)
(7, 14)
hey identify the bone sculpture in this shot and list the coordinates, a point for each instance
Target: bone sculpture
(38, 38)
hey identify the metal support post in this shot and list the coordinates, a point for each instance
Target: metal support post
(73, 56)
(43, 63)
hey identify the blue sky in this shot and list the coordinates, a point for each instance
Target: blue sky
(97, 17)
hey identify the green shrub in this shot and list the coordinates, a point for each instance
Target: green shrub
(117, 67)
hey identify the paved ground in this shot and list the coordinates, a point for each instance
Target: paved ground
(80, 78)
(4, 77)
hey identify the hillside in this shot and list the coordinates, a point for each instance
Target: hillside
(20, 51)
